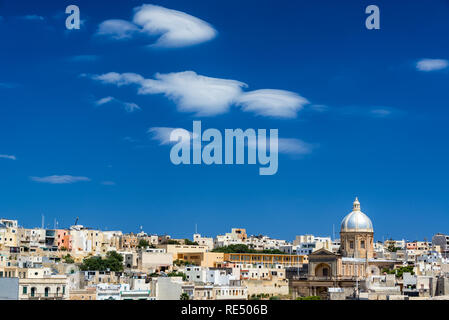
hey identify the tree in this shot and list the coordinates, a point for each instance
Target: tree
(178, 262)
(392, 248)
(309, 298)
(143, 244)
(172, 242)
(112, 262)
(68, 259)
(184, 296)
(190, 243)
(242, 248)
(177, 274)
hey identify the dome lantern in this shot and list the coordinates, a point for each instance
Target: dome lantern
(356, 221)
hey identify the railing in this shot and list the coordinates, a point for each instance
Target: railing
(43, 296)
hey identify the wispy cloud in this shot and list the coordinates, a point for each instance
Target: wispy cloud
(174, 28)
(207, 96)
(128, 106)
(7, 156)
(33, 17)
(428, 65)
(108, 183)
(162, 134)
(381, 112)
(294, 146)
(368, 111)
(64, 179)
(288, 146)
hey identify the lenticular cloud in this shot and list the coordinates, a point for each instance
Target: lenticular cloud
(174, 28)
(272, 103)
(207, 96)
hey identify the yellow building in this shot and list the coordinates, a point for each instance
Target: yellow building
(266, 260)
(176, 249)
(202, 259)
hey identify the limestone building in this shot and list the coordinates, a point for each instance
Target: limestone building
(347, 269)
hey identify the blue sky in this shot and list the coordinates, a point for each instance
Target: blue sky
(75, 140)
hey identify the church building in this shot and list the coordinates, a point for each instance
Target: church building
(347, 269)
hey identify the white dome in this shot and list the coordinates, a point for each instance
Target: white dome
(356, 221)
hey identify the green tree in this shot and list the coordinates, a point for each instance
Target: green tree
(143, 244)
(242, 248)
(112, 262)
(309, 298)
(184, 296)
(177, 274)
(190, 243)
(68, 259)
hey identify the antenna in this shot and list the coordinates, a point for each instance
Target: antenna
(196, 228)
(43, 221)
(333, 231)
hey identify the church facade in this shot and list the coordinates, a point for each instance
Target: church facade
(346, 270)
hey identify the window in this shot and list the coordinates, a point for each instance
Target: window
(25, 290)
(362, 244)
(351, 244)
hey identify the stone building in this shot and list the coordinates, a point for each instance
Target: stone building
(347, 269)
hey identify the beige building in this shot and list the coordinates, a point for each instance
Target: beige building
(152, 260)
(83, 294)
(8, 234)
(41, 284)
(346, 269)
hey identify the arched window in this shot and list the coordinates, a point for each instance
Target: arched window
(47, 291)
(33, 291)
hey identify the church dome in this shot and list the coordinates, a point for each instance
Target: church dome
(356, 221)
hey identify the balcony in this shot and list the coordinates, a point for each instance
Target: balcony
(43, 296)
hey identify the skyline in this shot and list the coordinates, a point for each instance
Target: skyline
(84, 115)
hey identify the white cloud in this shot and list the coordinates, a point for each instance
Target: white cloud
(117, 29)
(289, 146)
(427, 65)
(294, 146)
(202, 95)
(104, 100)
(162, 134)
(206, 96)
(65, 179)
(318, 108)
(175, 28)
(128, 106)
(7, 156)
(119, 79)
(272, 103)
